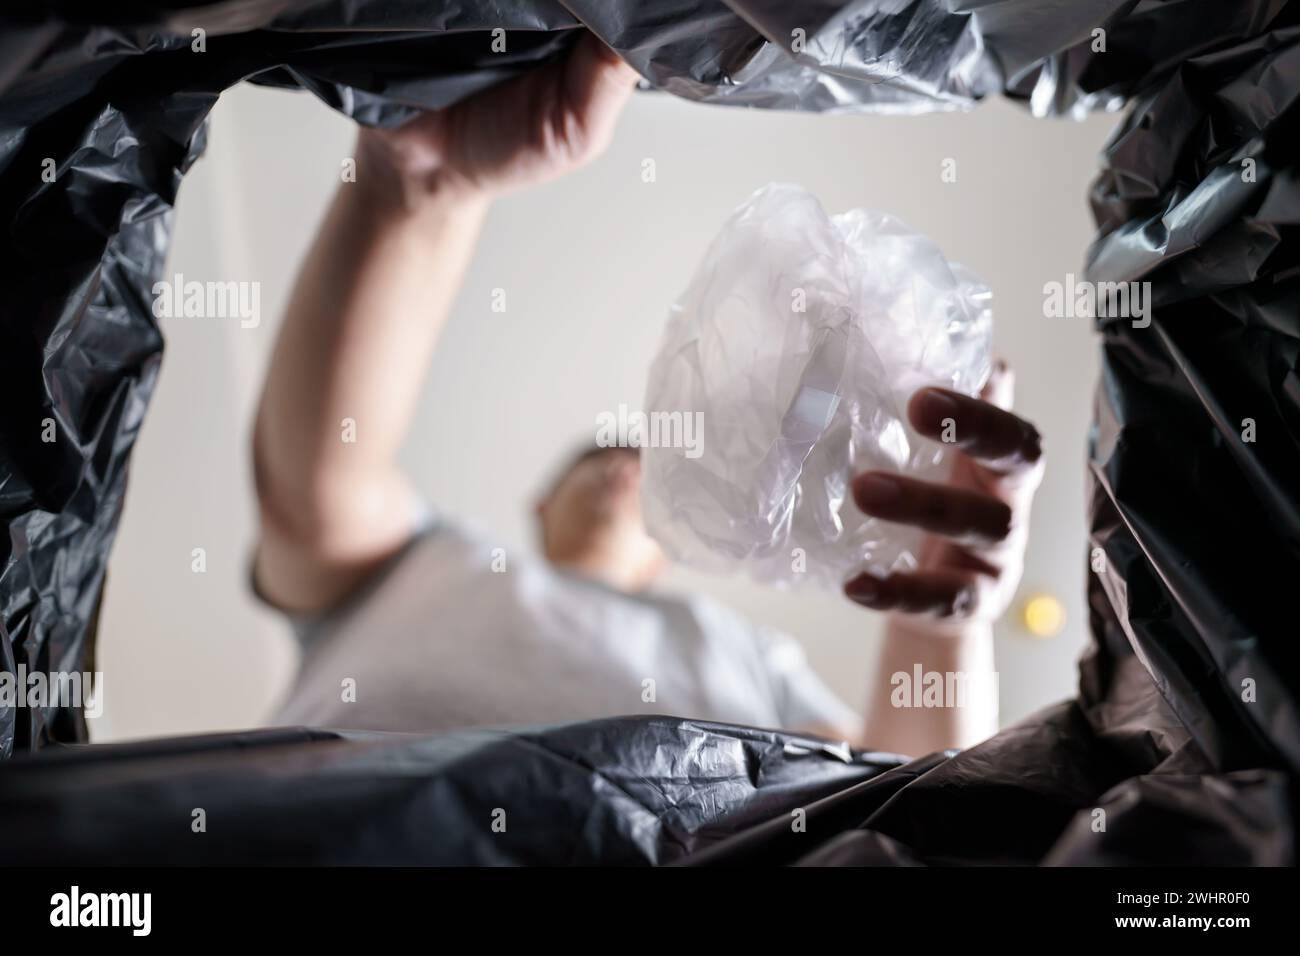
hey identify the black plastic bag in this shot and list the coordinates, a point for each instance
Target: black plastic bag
(630, 790)
(1186, 729)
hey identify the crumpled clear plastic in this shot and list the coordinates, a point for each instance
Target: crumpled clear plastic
(794, 351)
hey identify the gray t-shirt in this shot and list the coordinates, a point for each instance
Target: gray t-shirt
(448, 636)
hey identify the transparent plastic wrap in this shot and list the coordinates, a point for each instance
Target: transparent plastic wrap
(795, 350)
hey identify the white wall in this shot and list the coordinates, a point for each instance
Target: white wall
(590, 265)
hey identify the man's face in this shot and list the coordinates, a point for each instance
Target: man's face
(591, 519)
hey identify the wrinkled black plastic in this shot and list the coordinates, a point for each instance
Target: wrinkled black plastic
(630, 790)
(1185, 729)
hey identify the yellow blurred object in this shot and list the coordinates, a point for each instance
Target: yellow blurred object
(1044, 616)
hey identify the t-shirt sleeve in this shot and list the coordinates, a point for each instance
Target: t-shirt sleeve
(307, 627)
(803, 700)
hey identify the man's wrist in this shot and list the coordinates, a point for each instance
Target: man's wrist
(915, 627)
(410, 184)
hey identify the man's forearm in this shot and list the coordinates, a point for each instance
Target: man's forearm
(355, 343)
(935, 687)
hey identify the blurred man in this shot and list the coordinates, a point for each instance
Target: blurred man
(410, 622)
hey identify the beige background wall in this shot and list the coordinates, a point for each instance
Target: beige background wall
(590, 265)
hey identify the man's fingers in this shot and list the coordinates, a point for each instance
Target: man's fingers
(597, 83)
(619, 71)
(942, 593)
(998, 439)
(1000, 389)
(967, 516)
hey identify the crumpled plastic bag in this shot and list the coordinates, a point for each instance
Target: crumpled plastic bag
(793, 354)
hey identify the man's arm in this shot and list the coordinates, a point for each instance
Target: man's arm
(370, 301)
(366, 311)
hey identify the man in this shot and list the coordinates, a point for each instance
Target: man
(405, 623)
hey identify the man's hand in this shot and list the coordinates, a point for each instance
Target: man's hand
(970, 564)
(525, 131)
(977, 523)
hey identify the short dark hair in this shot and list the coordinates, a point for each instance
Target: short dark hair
(585, 453)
